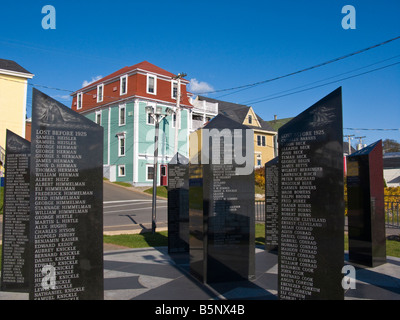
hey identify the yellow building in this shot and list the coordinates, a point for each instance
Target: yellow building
(13, 93)
(264, 134)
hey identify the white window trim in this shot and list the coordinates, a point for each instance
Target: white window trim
(98, 113)
(147, 172)
(154, 105)
(79, 97)
(120, 137)
(173, 122)
(173, 82)
(126, 85)
(102, 92)
(121, 106)
(155, 84)
(119, 170)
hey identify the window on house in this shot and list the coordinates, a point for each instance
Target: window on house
(259, 140)
(98, 117)
(121, 171)
(79, 101)
(259, 160)
(100, 89)
(149, 118)
(123, 84)
(121, 145)
(174, 121)
(263, 141)
(174, 92)
(150, 172)
(250, 119)
(122, 114)
(151, 84)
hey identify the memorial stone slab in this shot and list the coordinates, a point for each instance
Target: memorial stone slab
(178, 204)
(366, 212)
(15, 252)
(271, 204)
(66, 204)
(311, 203)
(221, 204)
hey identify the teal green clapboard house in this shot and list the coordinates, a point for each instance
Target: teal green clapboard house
(118, 103)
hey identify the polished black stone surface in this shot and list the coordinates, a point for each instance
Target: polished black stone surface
(311, 203)
(221, 210)
(15, 243)
(178, 204)
(66, 182)
(366, 212)
(271, 204)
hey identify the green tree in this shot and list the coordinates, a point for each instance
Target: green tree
(390, 145)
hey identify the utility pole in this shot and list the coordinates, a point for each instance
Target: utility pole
(360, 145)
(157, 115)
(349, 138)
(178, 109)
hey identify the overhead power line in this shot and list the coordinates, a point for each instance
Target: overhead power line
(249, 102)
(325, 84)
(247, 86)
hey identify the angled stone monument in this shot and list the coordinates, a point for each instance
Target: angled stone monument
(366, 212)
(178, 204)
(66, 226)
(271, 204)
(221, 202)
(311, 203)
(15, 254)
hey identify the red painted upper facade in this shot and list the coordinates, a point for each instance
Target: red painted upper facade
(142, 80)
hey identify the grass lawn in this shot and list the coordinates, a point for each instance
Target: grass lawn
(162, 191)
(144, 240)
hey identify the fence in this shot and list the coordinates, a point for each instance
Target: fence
(392, 211)
(392, 208)
(260, 210)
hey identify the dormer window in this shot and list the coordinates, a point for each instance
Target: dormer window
(250, 119)
(79, 101)
(151, 84)
(123, 85)
(100, 89)
(174, 89)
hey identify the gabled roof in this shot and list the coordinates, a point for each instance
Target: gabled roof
(13, 66)
(391, 160)
(144, 65)
(237, 112)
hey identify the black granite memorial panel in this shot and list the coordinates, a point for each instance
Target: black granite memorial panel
(311, 203)
(221, 193)
(15, 251)
(178, 204)
(66, 203)
(366, 212)
(271, 204)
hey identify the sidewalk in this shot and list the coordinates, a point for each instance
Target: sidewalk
(152, 274)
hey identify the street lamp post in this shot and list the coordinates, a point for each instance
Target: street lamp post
(157, 115)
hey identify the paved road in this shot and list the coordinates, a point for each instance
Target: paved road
(130, 211)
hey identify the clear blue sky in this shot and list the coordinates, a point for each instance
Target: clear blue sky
(220, 44)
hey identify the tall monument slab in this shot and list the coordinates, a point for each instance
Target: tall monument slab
(311, 203)
(366, 212)
(178, 204)
(15, 252)
(66, 182)
(221, 205)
